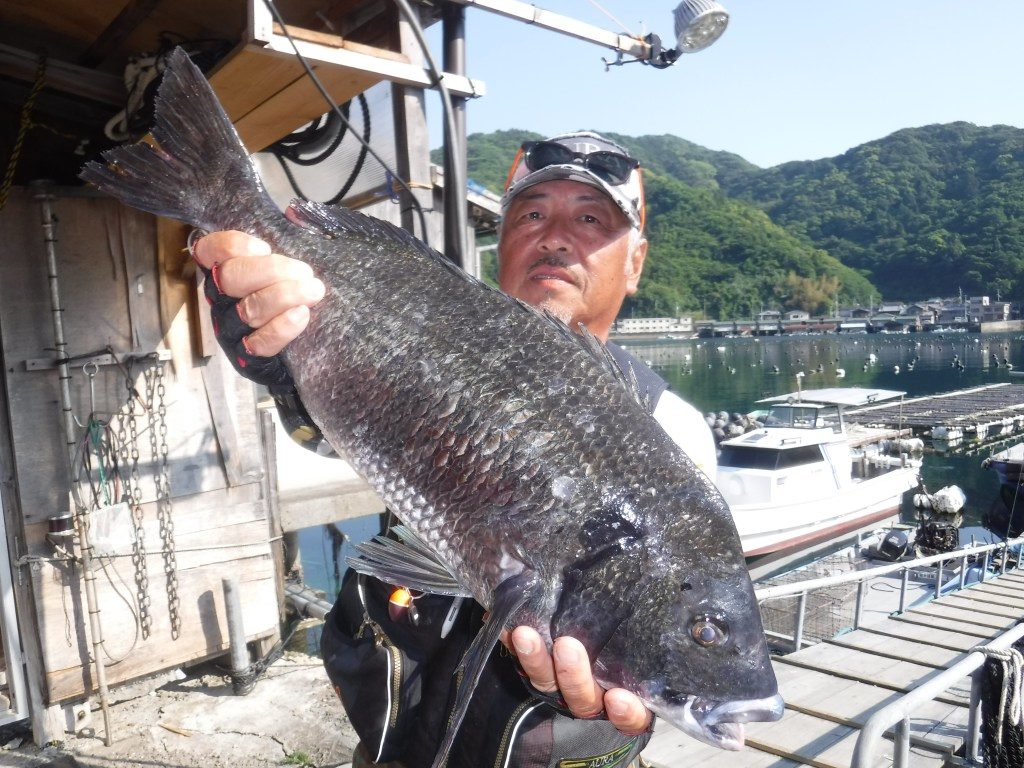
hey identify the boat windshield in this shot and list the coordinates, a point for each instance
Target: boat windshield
(796, 416)
(749, 457)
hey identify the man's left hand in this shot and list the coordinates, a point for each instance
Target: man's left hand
(566, 670)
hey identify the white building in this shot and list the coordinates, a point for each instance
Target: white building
(654, 325)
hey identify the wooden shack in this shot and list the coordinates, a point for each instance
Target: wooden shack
(118, 414)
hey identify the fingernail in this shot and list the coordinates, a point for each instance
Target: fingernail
(314, 289)
(566, 654)
(257, 248)
(298, 315)
(523, 647)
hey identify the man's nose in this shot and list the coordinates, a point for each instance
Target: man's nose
(554, 237)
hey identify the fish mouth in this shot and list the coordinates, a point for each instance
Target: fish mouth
(720, 724)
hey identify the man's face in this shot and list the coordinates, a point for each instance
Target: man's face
(566, 247)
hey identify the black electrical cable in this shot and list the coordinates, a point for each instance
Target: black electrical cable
(334, 107)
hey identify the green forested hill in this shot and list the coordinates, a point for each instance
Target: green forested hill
(923, 212)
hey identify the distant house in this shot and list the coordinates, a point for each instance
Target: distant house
(654, 325)
(769, 316)
(797, 315)
(891, 308)
(860, 312)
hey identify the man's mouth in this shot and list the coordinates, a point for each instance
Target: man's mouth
(550, 273)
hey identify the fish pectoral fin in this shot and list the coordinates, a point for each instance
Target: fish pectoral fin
(510, 596)
(408, 562)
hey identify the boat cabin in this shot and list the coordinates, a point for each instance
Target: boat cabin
(790, 478)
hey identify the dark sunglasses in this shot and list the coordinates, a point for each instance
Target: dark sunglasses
(611, 167)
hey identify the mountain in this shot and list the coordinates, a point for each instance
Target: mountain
(923, 212)
(708, 254)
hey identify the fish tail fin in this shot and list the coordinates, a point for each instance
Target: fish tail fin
(198, 155)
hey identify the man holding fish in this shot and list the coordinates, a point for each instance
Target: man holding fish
(571, 243)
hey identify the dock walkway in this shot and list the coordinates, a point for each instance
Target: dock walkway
(832, 688)
(982, 412)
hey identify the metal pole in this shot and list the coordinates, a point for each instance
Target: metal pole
(453, 23)
(984, 567)
(974, 717)
(963, 571)
(241, 669)
(901, 748)
(82, 514)
(859, 608)
(798, 633)
(938, 580)
(903, 589)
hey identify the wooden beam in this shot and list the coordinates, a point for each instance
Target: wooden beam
(133, 14)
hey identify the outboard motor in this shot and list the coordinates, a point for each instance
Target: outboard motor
(894, 546)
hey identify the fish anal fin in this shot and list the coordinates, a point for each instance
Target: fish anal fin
(510, 597)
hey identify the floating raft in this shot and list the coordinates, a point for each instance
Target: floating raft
(985, 413)
(832, 688)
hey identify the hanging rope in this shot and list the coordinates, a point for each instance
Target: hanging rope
(1002, 707)
(23, 126)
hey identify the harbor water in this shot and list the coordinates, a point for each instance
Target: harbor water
(732, 374)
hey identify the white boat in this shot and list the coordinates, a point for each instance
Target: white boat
(807, 477)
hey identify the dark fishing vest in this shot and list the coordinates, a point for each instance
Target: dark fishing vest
(650, 384)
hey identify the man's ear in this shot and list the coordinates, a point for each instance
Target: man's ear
(635, 265)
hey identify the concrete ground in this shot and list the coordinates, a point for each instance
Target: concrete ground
(193, 718)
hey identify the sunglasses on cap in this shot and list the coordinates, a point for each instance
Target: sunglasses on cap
(611, 167)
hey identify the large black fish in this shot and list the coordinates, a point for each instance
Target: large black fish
(511, 446)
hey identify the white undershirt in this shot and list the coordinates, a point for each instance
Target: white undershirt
(687, 428)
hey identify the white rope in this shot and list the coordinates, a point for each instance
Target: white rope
(1012, 662)
(610, 16)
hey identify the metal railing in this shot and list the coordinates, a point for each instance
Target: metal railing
(898, 712)
(803, 588)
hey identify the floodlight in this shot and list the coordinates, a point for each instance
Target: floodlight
(699, 23)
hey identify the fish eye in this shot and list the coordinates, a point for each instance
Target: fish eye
(709, 631)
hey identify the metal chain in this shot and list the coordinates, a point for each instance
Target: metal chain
(24, 124)
(128, 449)
(162, 480)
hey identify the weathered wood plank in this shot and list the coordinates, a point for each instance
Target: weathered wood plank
(822, 743)
(997, 590)
(874, 670)
(985, 621)
(940, 638)
(898, 648)
(986, 607)
(964, 627)
(939, 725)
(671, 748)
(203, 626)
(996, 598)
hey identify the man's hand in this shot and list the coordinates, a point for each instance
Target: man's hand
(567, 671)
(274, 291)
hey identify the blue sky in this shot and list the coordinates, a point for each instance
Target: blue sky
(789, 79)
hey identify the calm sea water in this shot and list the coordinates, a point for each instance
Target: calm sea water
(732, 374)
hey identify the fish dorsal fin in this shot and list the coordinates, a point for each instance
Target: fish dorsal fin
(408, 562)
(627, 378)
(335, 220)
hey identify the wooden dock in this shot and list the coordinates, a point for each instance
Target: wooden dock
(979, 412)
(832, 688)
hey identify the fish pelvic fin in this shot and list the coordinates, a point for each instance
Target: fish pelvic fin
(408, 562)
(511, 595)
(198, 169)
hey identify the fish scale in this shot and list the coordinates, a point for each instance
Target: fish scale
(512, 447)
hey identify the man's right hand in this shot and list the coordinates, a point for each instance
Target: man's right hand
(273, 295)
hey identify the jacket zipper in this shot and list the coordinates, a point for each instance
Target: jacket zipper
(381, 638)
(518, 715)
